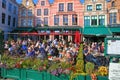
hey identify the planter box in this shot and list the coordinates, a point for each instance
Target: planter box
(80, 77)
(11, 73)
(88, 77)
(64, 77)
(102, 78)
(31, 75)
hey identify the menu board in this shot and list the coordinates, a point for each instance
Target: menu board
(113, 47)
(114, 71)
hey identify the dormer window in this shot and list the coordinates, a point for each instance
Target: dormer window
(27, 2)
(113, 4)
(93, 0)
(42, 3)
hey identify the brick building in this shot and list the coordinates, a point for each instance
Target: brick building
(42, 13)
(113, 8)
(95, 13)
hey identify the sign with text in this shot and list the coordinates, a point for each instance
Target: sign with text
(112, 46)
(114, 71)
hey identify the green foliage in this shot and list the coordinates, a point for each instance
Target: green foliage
(53, 66)
(89, 68)
(80, 55)
(79, 67)
(27, 63)
(65, 65)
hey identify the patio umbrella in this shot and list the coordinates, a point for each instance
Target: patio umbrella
(77, 39)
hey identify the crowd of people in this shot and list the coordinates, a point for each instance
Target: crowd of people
(61, 50)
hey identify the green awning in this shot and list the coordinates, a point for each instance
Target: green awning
(115, 29)
(97, 31)
(23, 29)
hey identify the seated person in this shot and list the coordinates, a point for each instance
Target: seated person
(30, 52)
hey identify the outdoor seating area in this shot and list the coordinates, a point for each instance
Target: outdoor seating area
(53, 58)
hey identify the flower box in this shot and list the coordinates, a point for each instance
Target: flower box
(102, 78)
(88, 77)
(64, 77)
(11, 73)
(80, 77)
(31, 75)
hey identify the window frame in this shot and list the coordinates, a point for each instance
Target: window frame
(4, 4)
(39, 12)
(94, 22)
(70, 7)
(89, 7)
(46, 11)
(45, 21)
(56, 19)
(9, 20)
(65, 19)
(29, 12)
(3, 18)
(61, 7)
(98, 7)
(74, 19)
(42, 3)
(87, 20)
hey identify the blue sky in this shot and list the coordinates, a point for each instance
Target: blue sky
(19, 1)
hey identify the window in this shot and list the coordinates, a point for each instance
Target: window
(9, 19)
(30, 22)
(23, 22)
(27, 2)
(38, 12)
(30, 12)
(94, 20)
(38, 22)
(113, 18)
(42, 3)
(3, 18)
(10, 7)
(89, 7)
(56, 20)
(45, 11)
(86, 20)
(101, 20)
(45, 21)
(3, 3)
(93, 0)
(15, 10)
(98, 7)
(113, 4)
(23, 12)
(61, 6)
(65, 19)
(70, 7)
(14, 22)
(74, 19)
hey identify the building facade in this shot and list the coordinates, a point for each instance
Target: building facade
(8, 16)
(42, 13)
(61, 14)
(66, 13)
(113, 8)
(26, 14)
(95, 13)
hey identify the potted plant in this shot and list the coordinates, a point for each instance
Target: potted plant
(102, 73)
(89, 67)
(79, 67)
